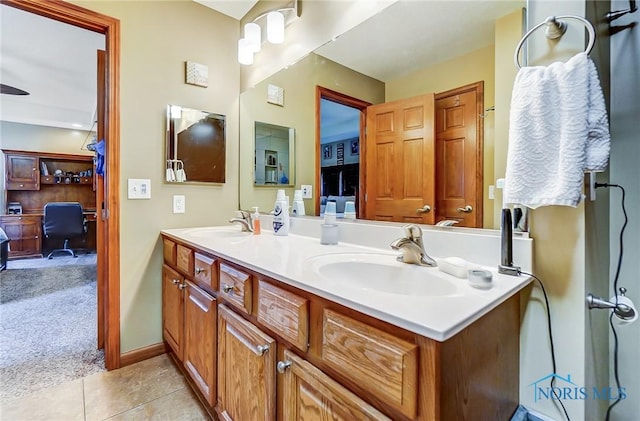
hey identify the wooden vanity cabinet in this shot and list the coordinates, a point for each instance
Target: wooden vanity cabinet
(286, 354)
(246, 370)
(189, 319)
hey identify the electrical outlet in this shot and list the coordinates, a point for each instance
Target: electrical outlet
(179, 205)
(307, 191)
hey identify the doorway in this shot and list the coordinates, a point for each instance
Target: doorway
(340, 133)
(107, 239)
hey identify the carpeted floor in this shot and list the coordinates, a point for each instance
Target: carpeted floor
(47, 326)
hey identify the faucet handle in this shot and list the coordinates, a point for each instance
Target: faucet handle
(412, 231)
(243, 214)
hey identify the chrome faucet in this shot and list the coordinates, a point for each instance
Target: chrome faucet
(244, 219)
(412, 247)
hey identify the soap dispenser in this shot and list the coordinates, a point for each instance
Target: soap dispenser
(255, 221)
(298, 204)
(281, 215)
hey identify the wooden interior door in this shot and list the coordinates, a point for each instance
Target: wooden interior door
(400, 173)
(459, 170)
(101, 277)
(246, 370)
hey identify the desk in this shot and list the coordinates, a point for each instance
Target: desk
(25, 233)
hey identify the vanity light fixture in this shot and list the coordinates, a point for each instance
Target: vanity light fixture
(275, 24)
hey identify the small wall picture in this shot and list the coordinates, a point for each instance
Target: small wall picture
(354, 147)
(327, 151)
(196, 74)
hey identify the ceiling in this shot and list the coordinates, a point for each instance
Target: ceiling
(415, 34)
(55, 63)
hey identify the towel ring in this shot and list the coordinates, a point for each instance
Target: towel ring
(557, 31)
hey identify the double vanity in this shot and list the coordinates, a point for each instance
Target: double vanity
(286, 328)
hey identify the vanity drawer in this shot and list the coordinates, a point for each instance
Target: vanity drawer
(184, 259)
(380, 363)
(206, 272)
(235, 287)
(169, 251)
(285, 313)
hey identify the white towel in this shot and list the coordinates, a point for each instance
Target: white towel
(558, 130)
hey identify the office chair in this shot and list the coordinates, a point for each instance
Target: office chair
(63, 220)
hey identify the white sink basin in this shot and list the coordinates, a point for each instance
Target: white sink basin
(218, 232)
(381, 273)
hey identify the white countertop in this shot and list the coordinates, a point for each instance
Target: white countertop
(288, 259)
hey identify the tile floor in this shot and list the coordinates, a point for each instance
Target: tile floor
(149, 390)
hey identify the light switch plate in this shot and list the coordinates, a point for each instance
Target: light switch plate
(138, 188)
(307, 191)
(179, 204)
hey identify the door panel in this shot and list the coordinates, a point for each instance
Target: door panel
(459, 156)
(400, 141)
(246, 372)
(200, 340)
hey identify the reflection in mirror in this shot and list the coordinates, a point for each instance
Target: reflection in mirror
(274, 155)
(453, 45)
(195, 146)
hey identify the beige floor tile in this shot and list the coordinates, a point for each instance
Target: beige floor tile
(179, 405)
(114, 392)
(63, 402)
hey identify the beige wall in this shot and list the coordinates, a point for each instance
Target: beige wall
(508, 31)
(157, 38)
(470, 68)
(27, 137)
(299, 83)
(559, 260)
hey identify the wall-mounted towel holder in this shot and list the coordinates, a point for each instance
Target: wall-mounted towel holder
(555, 29)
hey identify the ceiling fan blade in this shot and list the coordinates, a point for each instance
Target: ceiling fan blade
(10, 90)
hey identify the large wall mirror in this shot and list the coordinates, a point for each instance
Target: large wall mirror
(446, 46)
(195, 146)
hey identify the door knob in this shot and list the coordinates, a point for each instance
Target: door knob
(424, 209)
(466, 209)
(261, 349)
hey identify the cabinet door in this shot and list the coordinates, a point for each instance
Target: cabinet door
(200, 340)
(246, 370)
(25, 233)
(22, 172)
(172, 309)
(309, 394)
